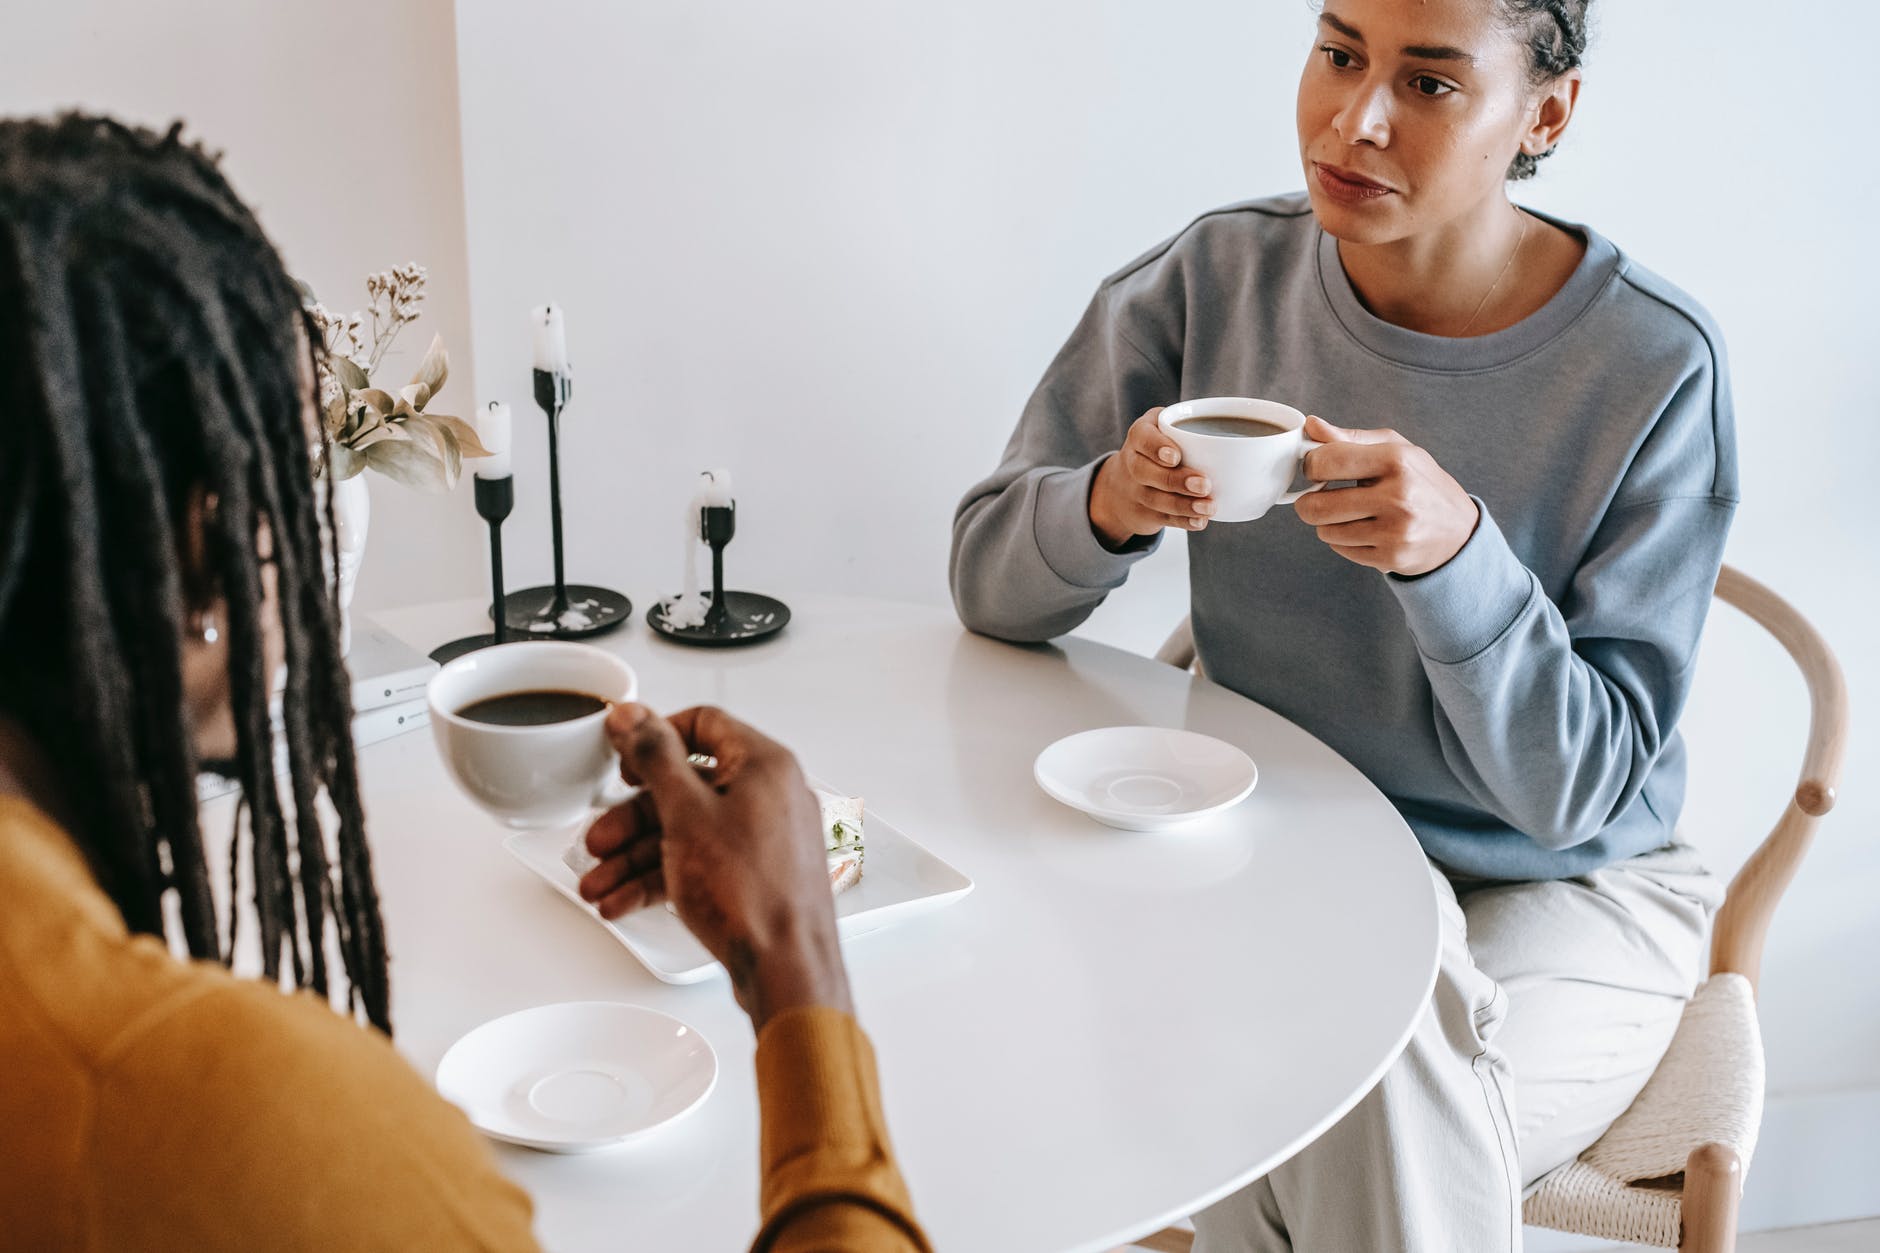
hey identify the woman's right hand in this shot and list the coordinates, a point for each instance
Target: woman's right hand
(1144, 487)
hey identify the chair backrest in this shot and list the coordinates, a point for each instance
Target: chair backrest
(1178, 649)
(1737, 935)
(1743, 923)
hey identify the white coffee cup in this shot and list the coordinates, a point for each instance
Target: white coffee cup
(1248, 474)
(547, 775)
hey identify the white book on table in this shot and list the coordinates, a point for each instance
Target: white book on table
(385, 670)
(383, 723)
(370, 727)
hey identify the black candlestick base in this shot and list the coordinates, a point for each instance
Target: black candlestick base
(532, 614)
(444, 654)
(749, 617)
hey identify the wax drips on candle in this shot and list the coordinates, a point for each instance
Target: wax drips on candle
(688, 609)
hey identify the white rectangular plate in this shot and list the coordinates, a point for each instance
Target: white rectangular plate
(900, 879)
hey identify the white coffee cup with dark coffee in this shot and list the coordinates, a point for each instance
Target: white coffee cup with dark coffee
(1250, 450)
(521, 728)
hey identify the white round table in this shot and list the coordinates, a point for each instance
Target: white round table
(1111, 1030)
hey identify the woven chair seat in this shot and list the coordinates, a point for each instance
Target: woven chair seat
(1708, 1089)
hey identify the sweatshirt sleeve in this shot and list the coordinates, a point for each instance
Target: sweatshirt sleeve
(1025, 563)
(830, 1182)
(1553, 715)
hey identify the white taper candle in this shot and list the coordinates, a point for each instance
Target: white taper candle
(551, 339)
(493, 431)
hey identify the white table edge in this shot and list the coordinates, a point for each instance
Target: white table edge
(1260, 1168)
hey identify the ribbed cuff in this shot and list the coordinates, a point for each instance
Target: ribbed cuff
(1460, 608)
(829, 1174)
(1066, 541)
(817, 1092)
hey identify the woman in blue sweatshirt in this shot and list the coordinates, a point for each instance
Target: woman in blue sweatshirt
(1496, 621)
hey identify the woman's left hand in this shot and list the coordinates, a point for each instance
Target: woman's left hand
(1405, 516)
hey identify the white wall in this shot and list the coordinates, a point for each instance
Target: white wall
(832, 244)
(339, 121)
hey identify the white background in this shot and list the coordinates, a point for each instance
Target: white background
(831, 246)
(338, 122)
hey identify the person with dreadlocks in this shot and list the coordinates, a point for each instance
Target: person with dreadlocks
(162, 561)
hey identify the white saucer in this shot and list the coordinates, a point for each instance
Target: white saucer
(578, 1076)
(1145, 778)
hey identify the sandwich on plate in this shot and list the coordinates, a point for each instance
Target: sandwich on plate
(842, 838)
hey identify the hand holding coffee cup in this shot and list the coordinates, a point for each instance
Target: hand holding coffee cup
(522, 728)
(737, 848)
(1250, 451)
(1145, 486)
(1404, 514)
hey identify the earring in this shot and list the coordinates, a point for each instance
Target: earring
(203, 624)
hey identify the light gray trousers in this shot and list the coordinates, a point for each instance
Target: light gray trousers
(1552, 1006)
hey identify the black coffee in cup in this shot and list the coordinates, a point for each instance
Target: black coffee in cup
(1234, 428)
(532, 709)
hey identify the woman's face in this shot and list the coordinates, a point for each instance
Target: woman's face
(1409, 114)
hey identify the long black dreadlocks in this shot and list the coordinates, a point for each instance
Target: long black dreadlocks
(154, 356)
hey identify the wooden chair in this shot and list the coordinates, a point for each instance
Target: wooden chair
(1669, 1171)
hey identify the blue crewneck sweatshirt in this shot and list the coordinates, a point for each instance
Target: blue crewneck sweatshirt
(1518, 705)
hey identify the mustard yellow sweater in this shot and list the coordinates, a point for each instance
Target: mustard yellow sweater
(152, 1104)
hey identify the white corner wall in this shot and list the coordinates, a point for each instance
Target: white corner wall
(339, 125)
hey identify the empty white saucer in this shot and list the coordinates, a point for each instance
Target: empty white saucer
(1145, 778)
(578, 1076)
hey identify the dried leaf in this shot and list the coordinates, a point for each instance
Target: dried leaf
(344, 463)
(377, 435)
(414, 397)
(426, 431)
(449, 450)
(376, 399)
(453, 460)
(466, 434)
(410, 462)
(435, 367)
(349, 373)
(359, 420)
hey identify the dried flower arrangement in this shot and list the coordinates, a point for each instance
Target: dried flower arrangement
(370, 428)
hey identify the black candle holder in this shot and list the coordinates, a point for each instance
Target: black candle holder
(495, 499)
(734, 617)
(564, 611)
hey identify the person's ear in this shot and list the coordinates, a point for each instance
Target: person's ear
(1549, 113)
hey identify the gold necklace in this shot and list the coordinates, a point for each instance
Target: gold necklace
(1505, 267)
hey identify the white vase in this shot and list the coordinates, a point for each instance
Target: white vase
(352, 519)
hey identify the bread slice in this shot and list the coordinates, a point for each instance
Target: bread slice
(842, 838)
(576, 856)
(844, 874)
